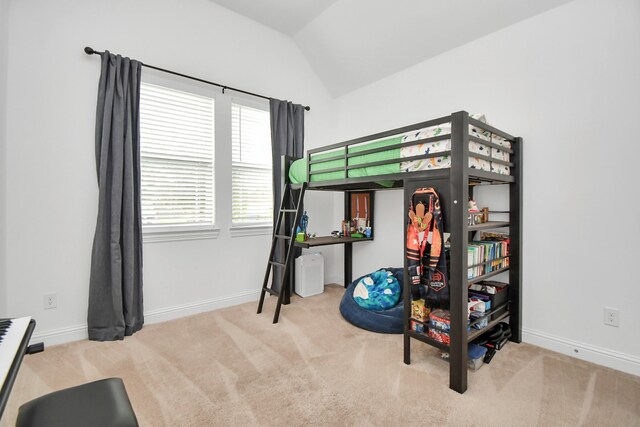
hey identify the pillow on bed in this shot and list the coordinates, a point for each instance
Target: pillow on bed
(379, 290)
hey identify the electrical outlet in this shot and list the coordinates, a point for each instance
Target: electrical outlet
(49, 300)
(611, 316)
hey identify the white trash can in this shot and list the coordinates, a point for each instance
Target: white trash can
(309, 275)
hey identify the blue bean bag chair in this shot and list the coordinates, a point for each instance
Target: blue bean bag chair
(389, 321)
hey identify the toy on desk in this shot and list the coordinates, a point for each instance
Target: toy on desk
(346, 229)
(301, 237)
(304, 222)
(301, 230)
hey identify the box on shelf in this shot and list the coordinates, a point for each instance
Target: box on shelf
(440, 325)
(498, 292)
(475, 353)
(417, 326)
(481, 302)
(475, 356)
(440, 336)
(440, 319)
(483, 323)
(419, 310)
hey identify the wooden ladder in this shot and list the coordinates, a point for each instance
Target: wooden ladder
(287, 195)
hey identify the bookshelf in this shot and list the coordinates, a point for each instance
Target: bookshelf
(454, 191)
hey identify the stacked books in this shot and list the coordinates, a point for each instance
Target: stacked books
(486, 256)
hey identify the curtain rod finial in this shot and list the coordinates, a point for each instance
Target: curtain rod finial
(307, 108)
(89, 51)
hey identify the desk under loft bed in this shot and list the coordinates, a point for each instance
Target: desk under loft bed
(452, 154)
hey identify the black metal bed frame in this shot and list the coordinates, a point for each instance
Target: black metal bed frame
(455, 187)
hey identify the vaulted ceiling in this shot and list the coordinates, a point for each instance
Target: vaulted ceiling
(351, 43)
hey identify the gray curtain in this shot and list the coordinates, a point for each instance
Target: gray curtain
(287, 137)
(115, 286)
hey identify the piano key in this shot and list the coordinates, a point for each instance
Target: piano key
(11, 342)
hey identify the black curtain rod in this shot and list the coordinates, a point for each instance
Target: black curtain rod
(91, 51)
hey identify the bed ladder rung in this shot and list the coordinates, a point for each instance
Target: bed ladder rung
(288, 199)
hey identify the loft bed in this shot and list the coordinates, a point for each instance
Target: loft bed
(453, 154)
(423, 150)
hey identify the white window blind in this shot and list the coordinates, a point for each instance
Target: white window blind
(176, 156)
(251, 179)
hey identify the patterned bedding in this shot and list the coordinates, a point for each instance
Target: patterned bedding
(445, 145)
(298, 169)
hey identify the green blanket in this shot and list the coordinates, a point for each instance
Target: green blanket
(298, 169)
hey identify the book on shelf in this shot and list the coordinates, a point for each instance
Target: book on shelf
(495, 236)
(486, 256)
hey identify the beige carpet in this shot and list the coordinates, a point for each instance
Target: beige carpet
(233, 367)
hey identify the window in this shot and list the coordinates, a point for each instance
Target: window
(251, 179)
(177, 159)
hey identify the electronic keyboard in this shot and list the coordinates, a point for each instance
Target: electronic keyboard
(14, 339)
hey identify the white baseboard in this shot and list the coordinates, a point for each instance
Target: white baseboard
(170, 313)
(60, 335)
(79, 332)
(591, 353)
(333, 279)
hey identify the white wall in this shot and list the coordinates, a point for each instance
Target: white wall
(567, 82)
(52, 191)
(4, 45)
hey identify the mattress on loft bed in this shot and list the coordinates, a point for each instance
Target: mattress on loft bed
(298, 169)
